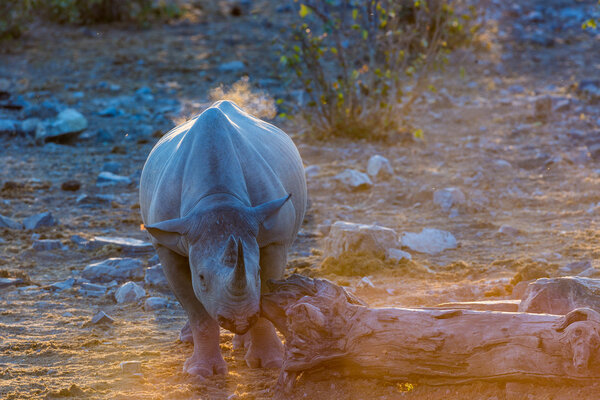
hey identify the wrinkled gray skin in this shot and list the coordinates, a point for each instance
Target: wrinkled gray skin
(223, 197)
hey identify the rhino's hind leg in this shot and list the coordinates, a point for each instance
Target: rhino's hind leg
(206, 359)
(263, 347)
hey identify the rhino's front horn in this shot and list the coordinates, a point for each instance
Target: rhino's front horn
(238, 279)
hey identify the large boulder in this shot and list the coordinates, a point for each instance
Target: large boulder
(561, 295)
(351, 237)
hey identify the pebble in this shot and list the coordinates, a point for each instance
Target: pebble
(119, 269)
(6, 282)
(110, 112)
(431, 241)
(365, 282)
(129, 292)
(101, 318)
(64, 285)
(71, 185)
(129, 246)
(68, 123)
(46, 244)
(113, 167)
(155, 276)
(91, 289)
(508, 230)
(95, 198)
(353, 179)
(379, 167)
(6, 222)
(106, 178)
(232, 66)
(397, 255)
(448, 198)
(36, 221)
(155, 303)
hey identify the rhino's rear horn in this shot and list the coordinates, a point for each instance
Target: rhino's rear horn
(238, 279)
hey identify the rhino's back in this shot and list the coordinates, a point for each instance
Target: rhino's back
(222, 149)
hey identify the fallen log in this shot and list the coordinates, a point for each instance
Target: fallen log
(327, 328)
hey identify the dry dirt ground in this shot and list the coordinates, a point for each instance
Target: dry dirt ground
(536, 173)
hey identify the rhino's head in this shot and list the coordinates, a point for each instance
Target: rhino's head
(223, 257)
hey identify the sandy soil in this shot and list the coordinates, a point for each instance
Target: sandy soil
(481, 135)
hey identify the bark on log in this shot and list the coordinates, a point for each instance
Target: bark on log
(326, 327)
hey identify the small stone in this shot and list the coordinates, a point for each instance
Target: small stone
(153, 260)
(353, 179)
(129, 292)
(131, 367)
(430, 241)
(119, 269)
(379, 167)
(155, 276)
(92, 288)
(543, 108)
(68, 123)
(29, 126)
(95, 198)
(71, 186)
(46, 244)
(232, 66)
(110, 112)
(365, 282)
(508, 230)
(312, 170)
(155, 303)
(590, 88)
(112, 166)
(106, 178)
(9, 127)
(104, 136)
(39, 220)
(64, 285)
(6, 222)
(351, 237)
(397, 255)
(101, 318)
(575, 268)
(448, 198)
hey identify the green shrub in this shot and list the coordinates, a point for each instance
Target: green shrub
(14, 17)
(353, 58)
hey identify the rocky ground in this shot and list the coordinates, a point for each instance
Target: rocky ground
(509, 166)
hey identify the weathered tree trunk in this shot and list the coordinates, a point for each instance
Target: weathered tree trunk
(327, 328)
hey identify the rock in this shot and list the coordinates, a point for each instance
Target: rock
(92, 290)
(543, 108)
(39, 220)
(430, 241)
(350, 237)
(518, 291)
(312, 170)
(561, 295)
(397, 255)
(232, 66)
(155, 276)
(153, 260)
(365, 282)
(6, 282)
(575, 268)
(104, 136)
(155, 303)
(594, 150)
(112, 166)
(110, 112)
(9, 127)
(590, 272)
(106, 178)
(67, 124)
(448, 198)
(354, 179)
(45, 110)
(46, 244)
(128, 246)
(508, 230)
(118, 269)
(131, 367)
(6, 222)
(95, 198)
(71, 186)
(64, 285)
(29, 126)
(379, 167)
(101, 318)
(129, 292)
(590, 88)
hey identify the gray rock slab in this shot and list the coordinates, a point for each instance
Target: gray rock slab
(68, 123)
(117, 269)
(46, 244)
(36, 221)
(6, 282)
(101, 318)
(155, 276)
(353, 179)
(430, 241)
(397, 255)
(129, 292)
(106, 178)
(113, 167)
(6, 222)
(155, 303)
(64, 285)
(129, 246)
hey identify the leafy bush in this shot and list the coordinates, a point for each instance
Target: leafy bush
(14, 16)
(353, 58)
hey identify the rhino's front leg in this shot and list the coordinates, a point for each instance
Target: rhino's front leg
(263, 347)
(206, 359)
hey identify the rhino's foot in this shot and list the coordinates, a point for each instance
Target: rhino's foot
(264, 349)
(241, 341)
(186, 335)
(202, 366)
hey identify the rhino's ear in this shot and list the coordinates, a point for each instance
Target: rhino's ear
(168, 232)
(266, 212)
